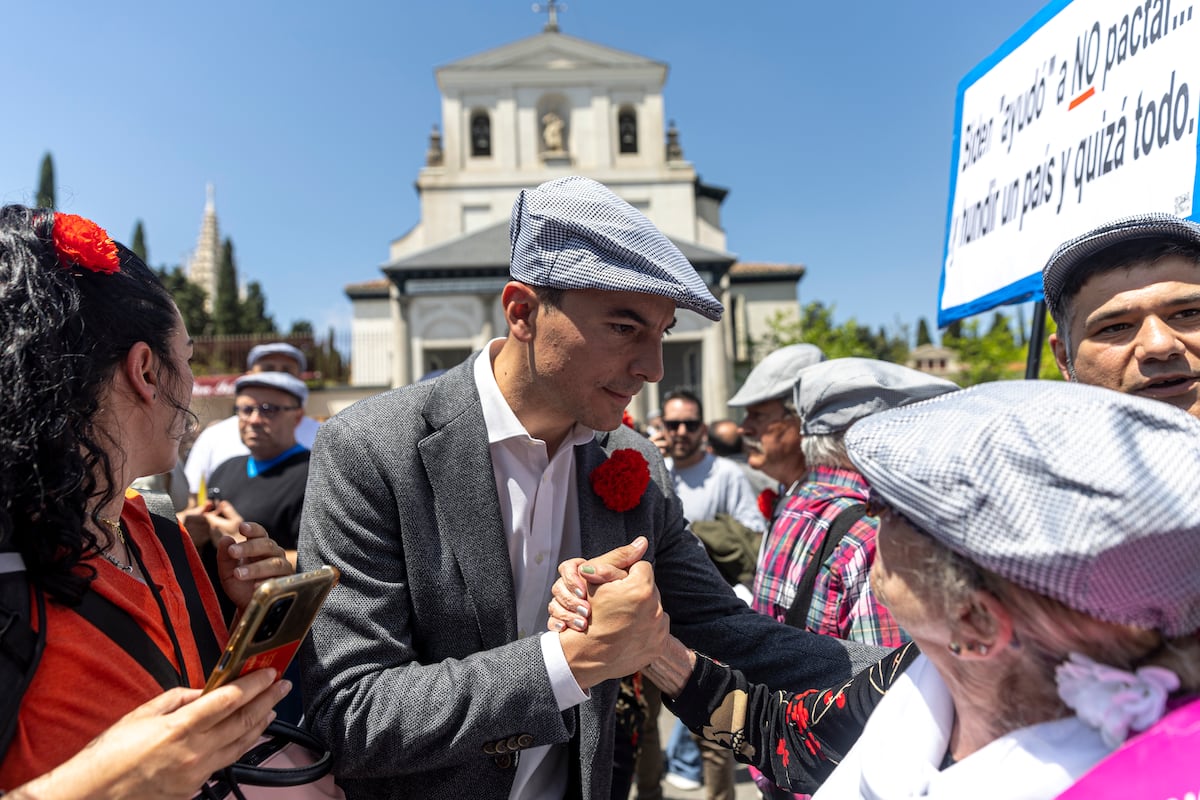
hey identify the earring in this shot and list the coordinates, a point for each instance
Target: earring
(955, 648)
(982, 649)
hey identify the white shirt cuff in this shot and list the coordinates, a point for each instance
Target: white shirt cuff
(745, 594)
(566, 689)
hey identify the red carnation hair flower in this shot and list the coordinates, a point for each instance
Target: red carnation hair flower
(767, 499)
(82, 242)
(627, 419)
(622, 479)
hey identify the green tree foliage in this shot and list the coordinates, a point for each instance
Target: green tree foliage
(139, 242)
(998, 354)
(254, 317)
(1048, 370)
(226, 309)
(816, 326)
(923, 336)
(45, 192)
(328, 361)
(301, 327)
(190, 299)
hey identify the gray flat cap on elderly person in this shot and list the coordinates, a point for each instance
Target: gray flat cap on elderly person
(774, 376)
(260, 351)
(274, 380)
(1038, 542)
(574, 233)
(832, 395)
(1070, 491)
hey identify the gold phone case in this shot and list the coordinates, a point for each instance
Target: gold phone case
(274, 624)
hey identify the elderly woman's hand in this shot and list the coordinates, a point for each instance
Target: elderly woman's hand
(244, 563)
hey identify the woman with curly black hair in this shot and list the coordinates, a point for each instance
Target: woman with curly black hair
(95, 387)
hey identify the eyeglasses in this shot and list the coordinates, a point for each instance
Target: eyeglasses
(265, 410)
(692, 425)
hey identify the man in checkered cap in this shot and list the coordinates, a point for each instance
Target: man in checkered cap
(448, 504)
(1126, 299)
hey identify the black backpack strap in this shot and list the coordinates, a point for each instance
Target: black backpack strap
(20, 645)
(121, 628)
(797, 615)
(169, 533)
(118, 626)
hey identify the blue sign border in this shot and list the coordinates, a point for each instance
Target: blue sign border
(1029, 287)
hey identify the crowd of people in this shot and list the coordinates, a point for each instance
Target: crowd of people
(979, 592)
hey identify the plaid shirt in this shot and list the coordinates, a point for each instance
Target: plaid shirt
(843, 604)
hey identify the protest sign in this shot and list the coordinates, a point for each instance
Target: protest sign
(1085, 115)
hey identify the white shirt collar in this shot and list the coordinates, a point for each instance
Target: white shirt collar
(502, 424)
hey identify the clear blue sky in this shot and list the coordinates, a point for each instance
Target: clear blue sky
(831, 124)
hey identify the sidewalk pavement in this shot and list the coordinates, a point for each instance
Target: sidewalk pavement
(744, 788)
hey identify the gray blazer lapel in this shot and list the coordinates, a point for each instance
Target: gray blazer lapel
(600, 529)
(459, 465)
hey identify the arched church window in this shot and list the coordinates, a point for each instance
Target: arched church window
(481, 134)
(627, 130)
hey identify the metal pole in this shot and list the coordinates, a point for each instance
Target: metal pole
(1037, 332)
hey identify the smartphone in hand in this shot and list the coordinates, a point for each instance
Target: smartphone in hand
(275, 622)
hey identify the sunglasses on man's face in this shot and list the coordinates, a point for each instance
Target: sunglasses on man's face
(692, 425)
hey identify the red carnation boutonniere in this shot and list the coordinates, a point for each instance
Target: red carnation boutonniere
(622, 479)
(627, 419)
(767, 499)
(82, 242)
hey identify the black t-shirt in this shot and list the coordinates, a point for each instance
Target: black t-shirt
(273, 499)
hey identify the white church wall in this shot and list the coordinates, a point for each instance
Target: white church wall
(371, 335)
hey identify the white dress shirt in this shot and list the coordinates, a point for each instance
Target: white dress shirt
(540, 509)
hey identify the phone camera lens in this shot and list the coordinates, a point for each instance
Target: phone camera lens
(274, 618)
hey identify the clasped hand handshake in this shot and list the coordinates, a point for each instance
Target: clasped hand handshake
(609, 617)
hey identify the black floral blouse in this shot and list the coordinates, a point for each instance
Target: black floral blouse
(795, 740)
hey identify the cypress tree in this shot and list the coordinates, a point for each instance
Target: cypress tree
(254, 317)
(139, 242)
(189, 298)
(45, 192)
(226, 316)
(923, 336)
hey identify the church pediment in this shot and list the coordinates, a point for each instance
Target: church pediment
(549, 52)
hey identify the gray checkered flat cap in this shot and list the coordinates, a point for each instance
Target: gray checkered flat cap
(1078, 493)
(833, 395)
(574, 233)
(1072, 256)
(276, 349)
(776, 374)
(274, 380)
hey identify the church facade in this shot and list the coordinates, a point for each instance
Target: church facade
(539, 108)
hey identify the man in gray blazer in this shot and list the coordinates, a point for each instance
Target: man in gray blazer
(449, 504)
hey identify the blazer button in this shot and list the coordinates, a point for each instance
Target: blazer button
(512, 745)
(524, 740)
(489, 748)
(504, 761)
